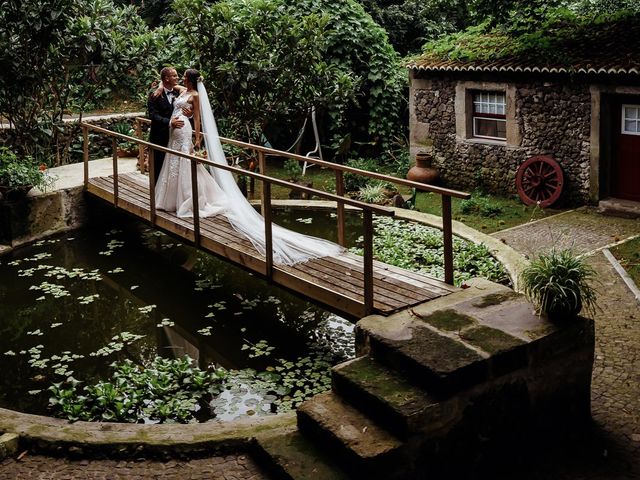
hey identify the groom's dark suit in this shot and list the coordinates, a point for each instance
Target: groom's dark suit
(159, 110)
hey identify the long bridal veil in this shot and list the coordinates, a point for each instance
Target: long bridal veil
(288, 247)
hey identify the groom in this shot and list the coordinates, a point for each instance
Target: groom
(159, 110)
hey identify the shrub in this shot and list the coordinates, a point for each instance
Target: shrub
(124, 128)
(372, 193)
(557, 283)
(478, 205)
(17, 174)
(354, 182)
(293, 169)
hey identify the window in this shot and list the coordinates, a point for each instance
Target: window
(631, 119)
(489, 115)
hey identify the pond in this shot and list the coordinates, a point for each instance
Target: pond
(128, 324)
(73, 304)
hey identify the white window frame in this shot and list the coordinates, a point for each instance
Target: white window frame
(479, 116)
(624, 118)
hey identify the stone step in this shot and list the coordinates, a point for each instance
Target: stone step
(385, 396)
(290, 456)
(361, 447)
(438, 363)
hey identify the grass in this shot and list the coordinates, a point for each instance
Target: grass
(628, 254)
(322, 179)
(512, 211)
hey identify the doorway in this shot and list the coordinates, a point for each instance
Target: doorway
(625, 158)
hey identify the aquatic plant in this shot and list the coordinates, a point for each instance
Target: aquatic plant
(418, 247)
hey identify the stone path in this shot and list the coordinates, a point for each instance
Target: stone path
(584, 230)
(231, 467)
(611, 448)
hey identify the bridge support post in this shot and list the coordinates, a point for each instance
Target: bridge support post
(447, 238)
(368, 261)
(85, 154)
(114, 147)
(340, 208)
(263, 167)
(268, 238)
(152, 187)
(194, 203)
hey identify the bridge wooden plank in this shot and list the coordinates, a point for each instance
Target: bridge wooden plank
(380, 276)
(349, 285)
(342, 276)
(217, 225)
(335, 281)
(413, 278)
(395, 293)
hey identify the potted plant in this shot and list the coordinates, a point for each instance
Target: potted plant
(18, 176)
(558, 283)
(126, 148)
(293, 170)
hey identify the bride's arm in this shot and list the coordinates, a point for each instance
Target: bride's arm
(158, 91)
(196, 118)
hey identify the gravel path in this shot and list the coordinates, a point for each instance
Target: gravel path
(611, 448)
(231, 467)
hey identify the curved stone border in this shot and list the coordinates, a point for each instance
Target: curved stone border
(512, 260)
(623, 274)
(124, 439)
(53, 434)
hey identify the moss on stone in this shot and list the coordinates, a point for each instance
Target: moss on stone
(490, 339)
(449, 320)
(495, 299)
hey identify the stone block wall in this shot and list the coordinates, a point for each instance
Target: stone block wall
(550, 118)
(41, 215)
(100, 145)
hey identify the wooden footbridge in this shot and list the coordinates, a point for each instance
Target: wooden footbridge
(347, 283)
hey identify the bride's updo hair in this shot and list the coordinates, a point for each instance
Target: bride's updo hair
(193, 76)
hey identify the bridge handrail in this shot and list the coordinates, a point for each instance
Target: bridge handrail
(337, 166)
(377, 209)
(367, 209)
(339, 171)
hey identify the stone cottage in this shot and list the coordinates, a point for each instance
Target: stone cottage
(481, 120)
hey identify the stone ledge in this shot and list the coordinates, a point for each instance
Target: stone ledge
(468, 337)
(8, 445)
(123, 439)
(289, 455)
(388, 397)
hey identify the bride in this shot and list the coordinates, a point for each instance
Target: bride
(218, 192)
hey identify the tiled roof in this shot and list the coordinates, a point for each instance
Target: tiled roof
(606, 48)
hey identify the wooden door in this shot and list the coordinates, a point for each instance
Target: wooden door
(625, 165)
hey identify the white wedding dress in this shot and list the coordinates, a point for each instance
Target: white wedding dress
(173, 190)
(218, 192)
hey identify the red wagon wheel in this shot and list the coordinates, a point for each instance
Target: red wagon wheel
(539, 180)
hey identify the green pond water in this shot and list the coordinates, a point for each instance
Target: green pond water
(72, 304)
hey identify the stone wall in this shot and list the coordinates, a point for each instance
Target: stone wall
(40, 215)
(100, 145)
(551, 118)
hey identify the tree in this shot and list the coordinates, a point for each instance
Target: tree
(411, 23)
(57, 54)
(270, 61)
(265, 68)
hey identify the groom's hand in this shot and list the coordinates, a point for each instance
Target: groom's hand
(176, 122)
(188, 111)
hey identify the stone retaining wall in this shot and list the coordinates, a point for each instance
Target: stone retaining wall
(549, 118)
(99, 144)
(41, 215)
